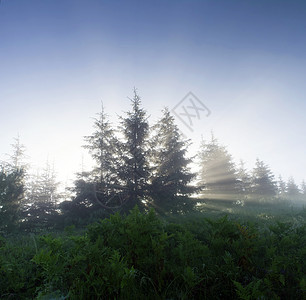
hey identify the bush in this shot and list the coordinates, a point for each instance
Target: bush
(141, 256)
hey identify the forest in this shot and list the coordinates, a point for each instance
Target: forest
(142, 224)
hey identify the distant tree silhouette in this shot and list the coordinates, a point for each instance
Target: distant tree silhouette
(263, 183)
(244, 183)
(303, 192)
(303, 188)
(281, 187)
(217, 171)
(292, 188)
(41, 201)
(12, 187)
(293, 193)
(18, 156)
(11, 195)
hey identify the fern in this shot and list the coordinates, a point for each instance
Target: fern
(250, 291)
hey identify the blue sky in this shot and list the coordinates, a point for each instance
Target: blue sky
(245, 60)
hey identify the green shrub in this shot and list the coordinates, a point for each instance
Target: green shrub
(141, 256)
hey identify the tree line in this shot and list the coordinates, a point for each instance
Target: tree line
(224, 180)
(135, 164)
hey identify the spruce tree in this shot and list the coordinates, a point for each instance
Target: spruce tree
(12, 186)
(303, 192)
(18, 156)
(303, 188)
(244, 183)
(293, 191)
(99, 188)
(292, 187)
(281, 187)
(103, 180)
(41, 198)
(263, 184)
(11, 196)
(134, 169)
(102, 147)
(171, 173)
(217, 172)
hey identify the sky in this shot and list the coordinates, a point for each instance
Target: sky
(242, 64)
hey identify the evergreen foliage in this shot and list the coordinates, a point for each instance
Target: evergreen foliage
(102, 146)
(292, 188)
(263, 183)
(171, 173)
(12, 187)
(303, 188)
(217, 171)
(282, 188)
(134, 170)
(136, 164)
(41, 198)
(17, 158)
(11, 195)
(244, 183)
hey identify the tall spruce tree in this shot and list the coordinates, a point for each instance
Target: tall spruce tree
(171, 173)
(134, 169)
(293, 191)
(217, 171)
(98, 188)
(263, 184)
(102, 146)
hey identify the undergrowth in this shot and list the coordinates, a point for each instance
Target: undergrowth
(141, 256)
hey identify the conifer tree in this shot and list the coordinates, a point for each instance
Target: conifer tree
(102, 146)
(134, 169)
(292, 188)
(244, 182)
(303, 188)
(18, 155)
(217, 171)
(97, 189)
(293, 191)
(11, 195)
(41, 198)
(12, 187)
(263, 183)
(171, 173)
(303, 192)
(281, 187)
